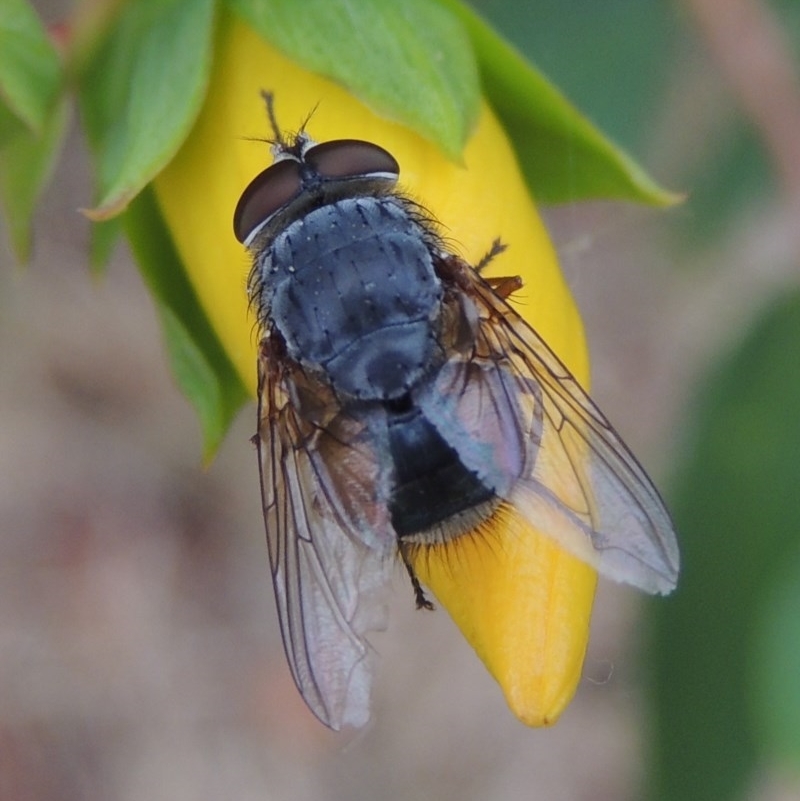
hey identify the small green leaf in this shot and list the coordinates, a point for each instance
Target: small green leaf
(143, 91)
(196, 378)
(737, 510)
(410, 61)
(564, 157)
(26, 163)
(777, 666)
(30, 70)
(199, 362)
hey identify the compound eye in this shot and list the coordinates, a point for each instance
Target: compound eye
(267, 193)
(352, 158)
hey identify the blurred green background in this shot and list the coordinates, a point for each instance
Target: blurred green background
(139, 655)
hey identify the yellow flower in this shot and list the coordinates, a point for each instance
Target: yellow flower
(520, 600)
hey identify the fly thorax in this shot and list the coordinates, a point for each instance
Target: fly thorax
(352, 289)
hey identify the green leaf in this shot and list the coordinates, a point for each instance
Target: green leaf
(415, 63)
(199, 362)
(564, 157)
(142, 92)
(410, 61)
(737, 511)
(26, 163)
(777, 666)
(30, 70)
(612, 59)
(196, 378)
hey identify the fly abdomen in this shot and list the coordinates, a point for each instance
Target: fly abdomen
(431, 484)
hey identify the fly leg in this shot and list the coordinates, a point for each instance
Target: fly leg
(420, 598)
(504, 286)
(494, 251)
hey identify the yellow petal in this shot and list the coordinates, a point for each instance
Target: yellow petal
(521, 601)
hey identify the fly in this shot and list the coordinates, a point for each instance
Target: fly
(402, 403)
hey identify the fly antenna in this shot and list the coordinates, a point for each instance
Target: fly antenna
(308, 117)
(269, 101)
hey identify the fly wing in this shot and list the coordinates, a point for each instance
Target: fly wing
(578, 481)
(318, 490)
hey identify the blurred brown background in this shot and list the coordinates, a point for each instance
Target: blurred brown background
(139, 651)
